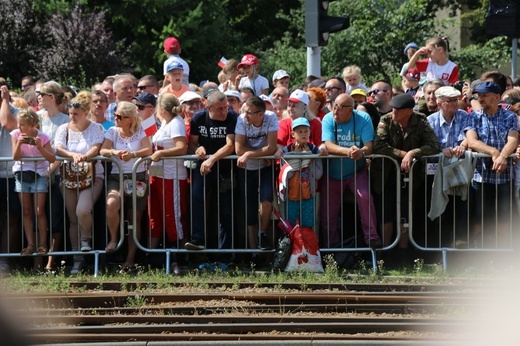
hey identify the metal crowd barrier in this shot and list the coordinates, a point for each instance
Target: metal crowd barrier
(457, 229)
(349, 228)
(424, 234)
(13, 243)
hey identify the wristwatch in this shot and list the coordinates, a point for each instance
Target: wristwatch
(364, 153)
(134, 154)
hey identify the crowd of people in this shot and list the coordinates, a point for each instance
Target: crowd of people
(197, 204)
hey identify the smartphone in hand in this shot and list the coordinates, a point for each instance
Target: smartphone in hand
(30, 141)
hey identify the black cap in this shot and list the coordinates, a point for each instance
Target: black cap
(209, 91)
(146, 98)
(402, 101)
(317, 83)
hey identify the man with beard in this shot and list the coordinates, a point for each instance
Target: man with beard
(381, 94)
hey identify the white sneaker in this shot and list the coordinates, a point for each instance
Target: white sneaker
(85, 246)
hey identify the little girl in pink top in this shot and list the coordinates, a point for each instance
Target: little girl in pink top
(31, 176)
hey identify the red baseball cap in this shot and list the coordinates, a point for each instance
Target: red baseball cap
(171, 44)
(248, 59)
(413, 74)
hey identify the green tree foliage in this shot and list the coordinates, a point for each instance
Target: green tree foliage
(77, 48)
(17, 20)
(289, 52)
(379, 31)
(483, 53)
(207, 30)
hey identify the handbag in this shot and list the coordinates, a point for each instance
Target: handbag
(78, 176)
(140, 188)
(140, 185)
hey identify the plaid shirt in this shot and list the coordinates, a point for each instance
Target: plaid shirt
(492, 131)
(449, 135)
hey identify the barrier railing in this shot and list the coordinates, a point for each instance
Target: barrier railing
(467, 221)
(12, 243)
(349, 229)
(233, 239)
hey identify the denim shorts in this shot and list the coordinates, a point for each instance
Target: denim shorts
(40, 185)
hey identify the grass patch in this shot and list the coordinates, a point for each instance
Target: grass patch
(155, 280)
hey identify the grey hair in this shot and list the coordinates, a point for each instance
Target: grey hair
(435, 81)
(216, 96)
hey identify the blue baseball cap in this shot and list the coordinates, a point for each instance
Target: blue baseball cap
(488, 87)
(173, 65)
(410, 45)
(301, 121)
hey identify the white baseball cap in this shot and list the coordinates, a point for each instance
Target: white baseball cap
(299, 95)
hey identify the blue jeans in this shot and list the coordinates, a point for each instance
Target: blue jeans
(254, 189)
(224, 224)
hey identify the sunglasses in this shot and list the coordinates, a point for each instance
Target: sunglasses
(376, 91)
(42, 94)
(119, 117)
(332, 88)
(142, 87)
(141, 107)
(75, 105)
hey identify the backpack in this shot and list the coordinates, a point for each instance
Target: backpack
(299, 186)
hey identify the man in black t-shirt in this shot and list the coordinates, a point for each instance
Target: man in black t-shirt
(212, 138)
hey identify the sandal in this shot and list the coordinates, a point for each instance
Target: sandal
(27, 250)
(42, 250)
(111, 247)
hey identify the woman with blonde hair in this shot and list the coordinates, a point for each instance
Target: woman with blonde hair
(126, 142)
(79, 141)
(50, 97)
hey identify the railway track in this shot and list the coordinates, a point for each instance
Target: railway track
(323, 312)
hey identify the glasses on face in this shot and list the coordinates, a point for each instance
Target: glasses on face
(75, 105)
(99, 101)
(119, 117)
(252, 113)
(142, 107)
(332, 88)
(142, 87)
(42, 94)
(377, 91)
(341, 107)
(191, 102)
(451, 102)
(25, 86)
